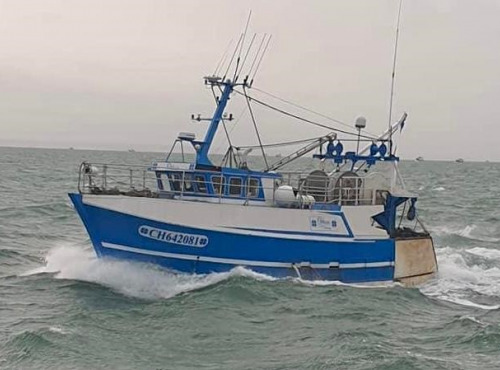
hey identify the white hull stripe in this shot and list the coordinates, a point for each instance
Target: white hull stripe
(239, 262)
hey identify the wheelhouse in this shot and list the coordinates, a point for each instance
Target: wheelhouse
(225, 184)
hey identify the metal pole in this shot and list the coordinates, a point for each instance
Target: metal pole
(393, 76)
(359, 138)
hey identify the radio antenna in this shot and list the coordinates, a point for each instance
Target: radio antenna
(223, 58)
(256, 55)
(393, 75)
(231, 61)
(260, 60)
(235, 76)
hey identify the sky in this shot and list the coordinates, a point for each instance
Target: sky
(120, 74)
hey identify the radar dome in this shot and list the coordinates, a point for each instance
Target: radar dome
(360, 122)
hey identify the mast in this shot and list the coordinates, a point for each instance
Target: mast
(204, 147)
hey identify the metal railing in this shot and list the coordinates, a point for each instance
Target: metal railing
(101, 178)
(140, 181)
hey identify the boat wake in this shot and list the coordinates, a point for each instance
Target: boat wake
(133, 279)
(367, 285)
(459, 281)
(147, 281)
(466, 282)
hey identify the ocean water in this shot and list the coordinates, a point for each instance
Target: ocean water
(61, 308)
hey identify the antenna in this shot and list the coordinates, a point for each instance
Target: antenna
(393, 75)
(256, 56)
(241, 47)
(260, 60)
(223, 58)
(231, 61)
(246, 55)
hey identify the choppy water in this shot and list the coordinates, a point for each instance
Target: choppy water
(61, 308)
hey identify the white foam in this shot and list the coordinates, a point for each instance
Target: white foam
(129, 278)
(488, 253)
(474, 319)
(458, 282)
(468, 232)
(465, 302)
(439, 188)
(58, 330)
(368, 285)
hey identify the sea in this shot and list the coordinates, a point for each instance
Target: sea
(62, 308)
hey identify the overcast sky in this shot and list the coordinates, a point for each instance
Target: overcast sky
(121, 74)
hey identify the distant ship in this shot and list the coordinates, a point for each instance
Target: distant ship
(131, 150)
(459, 160)
(419, 159)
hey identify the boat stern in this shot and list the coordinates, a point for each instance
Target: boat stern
(415, 261)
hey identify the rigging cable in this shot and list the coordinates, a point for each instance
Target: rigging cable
(287, 143)
(307, 109)
(240, 116)
(303, 119)
(275, 145)
(255, 125)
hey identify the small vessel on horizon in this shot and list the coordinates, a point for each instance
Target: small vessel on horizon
(419, 159)
(459, 160)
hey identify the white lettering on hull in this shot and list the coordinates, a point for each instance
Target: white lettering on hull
(167, 236)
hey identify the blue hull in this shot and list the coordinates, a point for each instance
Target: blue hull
(193, 250)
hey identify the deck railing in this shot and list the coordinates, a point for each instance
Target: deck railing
(133, 180)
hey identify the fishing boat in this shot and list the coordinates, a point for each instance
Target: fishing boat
(349, 219)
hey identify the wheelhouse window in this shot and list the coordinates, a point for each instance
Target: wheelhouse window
(159, 182)
(175, 181)
(235, 186)
(200, 183)
(218, 183)
(188, 183)
(252, 187)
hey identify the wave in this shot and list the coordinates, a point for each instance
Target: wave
(439, 188)
(58, 330)
(455, 283)
(367, 285)
(133, 279)
(461, 283)
(147, 281)
(488, 253)
(468, 232)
